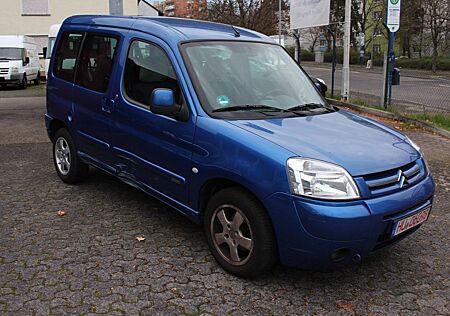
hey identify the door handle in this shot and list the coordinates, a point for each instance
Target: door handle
(107, 105)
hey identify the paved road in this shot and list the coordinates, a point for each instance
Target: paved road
(89, 262)
(414, 93)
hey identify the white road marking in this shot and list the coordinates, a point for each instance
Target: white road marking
(443, 85)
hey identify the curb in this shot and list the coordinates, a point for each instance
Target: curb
(363, 109)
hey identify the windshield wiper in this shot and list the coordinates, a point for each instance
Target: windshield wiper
(248, 107)
(5, 58)
(309, 106)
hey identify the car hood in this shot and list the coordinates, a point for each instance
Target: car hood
(9, 63)
(360, 145)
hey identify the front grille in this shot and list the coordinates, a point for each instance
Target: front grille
(385, 233)
(4, 70)
(385, 240)
(396, 179)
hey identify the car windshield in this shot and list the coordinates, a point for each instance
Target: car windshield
(11, 53)
(51, 44)
(244, 77)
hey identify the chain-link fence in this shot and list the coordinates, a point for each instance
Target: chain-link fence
(419, 92)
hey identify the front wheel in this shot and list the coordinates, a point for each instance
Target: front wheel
(68, 165)
(24, 83)
(239, 233)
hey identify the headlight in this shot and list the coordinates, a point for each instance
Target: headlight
(15, 70)
(416, 147)
(413, 144)
(318, 179)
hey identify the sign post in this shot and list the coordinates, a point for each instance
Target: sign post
(392, 25)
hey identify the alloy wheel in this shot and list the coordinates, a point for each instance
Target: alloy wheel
(62, 155)
(232, 234)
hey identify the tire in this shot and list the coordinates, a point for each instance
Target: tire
(68, 165)
(24, 83)
(37, 81)
(253, 239)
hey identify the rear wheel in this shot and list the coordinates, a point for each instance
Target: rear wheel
(68, 165)
(239, 233)
(37, 81)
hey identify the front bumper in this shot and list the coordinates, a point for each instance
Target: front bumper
(11, 78)
(310, 231)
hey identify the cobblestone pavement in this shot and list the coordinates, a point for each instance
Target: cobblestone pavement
(89, 261)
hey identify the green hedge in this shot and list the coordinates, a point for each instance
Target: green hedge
(413, 63)
(443, 63)
(354, 56)
(306, 55)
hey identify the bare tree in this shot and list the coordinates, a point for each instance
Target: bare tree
(313, 34)
(410, 25)
(370, 17)
(436, 19)
(258, 15)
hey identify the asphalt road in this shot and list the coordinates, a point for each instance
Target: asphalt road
(89, 261)
(414, 93)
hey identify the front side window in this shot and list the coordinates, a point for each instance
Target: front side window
(235, 77)
(147, 69)
(96, 62)
(66, 55)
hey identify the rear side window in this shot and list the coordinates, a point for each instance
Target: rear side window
(66, 56)
(95, 63)
(147, 69)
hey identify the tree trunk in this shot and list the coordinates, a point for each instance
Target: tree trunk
(435, 57)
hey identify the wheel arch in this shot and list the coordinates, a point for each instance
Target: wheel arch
(214, 185)
(55, 125)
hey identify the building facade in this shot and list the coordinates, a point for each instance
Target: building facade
(191, 9)
(34, 17)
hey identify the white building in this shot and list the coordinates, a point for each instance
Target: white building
(34, 17)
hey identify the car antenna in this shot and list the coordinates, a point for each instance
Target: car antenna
(236, 32)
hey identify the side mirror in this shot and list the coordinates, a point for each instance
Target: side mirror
(26, 61)
(321, 86)
(163, 103)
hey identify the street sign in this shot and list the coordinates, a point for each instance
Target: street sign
(361, 38)
(393, 15)
(309, 13)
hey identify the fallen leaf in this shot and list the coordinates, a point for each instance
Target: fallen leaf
(175, 291)
(140, 238)
(349, 307)
(61, 213)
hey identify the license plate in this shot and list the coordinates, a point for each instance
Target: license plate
(411, 221)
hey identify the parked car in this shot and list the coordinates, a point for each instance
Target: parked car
(222, 125)
(19, 60)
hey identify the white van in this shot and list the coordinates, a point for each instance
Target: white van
(52, 34)
(19, 60)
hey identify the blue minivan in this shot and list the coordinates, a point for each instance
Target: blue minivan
(220, 123)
